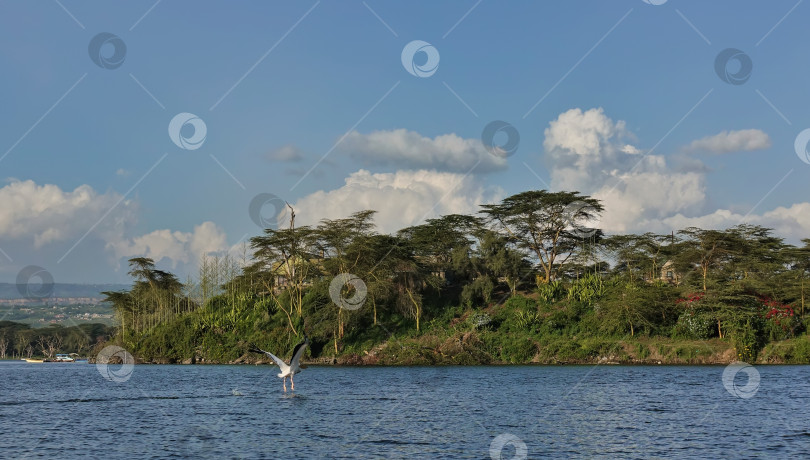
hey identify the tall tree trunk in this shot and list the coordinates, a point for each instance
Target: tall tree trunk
(705, 273)
(374, 304)
(416, 305)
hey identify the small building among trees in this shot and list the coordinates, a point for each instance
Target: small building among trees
(668, 273)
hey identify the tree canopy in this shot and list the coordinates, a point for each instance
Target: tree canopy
(538, 254)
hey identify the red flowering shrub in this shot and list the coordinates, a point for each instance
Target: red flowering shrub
(691, 299)
(780, 317)
(776, 311)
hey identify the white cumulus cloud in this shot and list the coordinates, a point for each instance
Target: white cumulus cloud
(401, 199)
(589, 152)
(45, 213)
(410, 150)
(732, 141)
(185, 247)
(790, 222)
(45, 219)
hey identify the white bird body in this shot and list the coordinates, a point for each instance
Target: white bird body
(287, 370)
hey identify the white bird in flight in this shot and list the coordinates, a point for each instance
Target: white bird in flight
(287, 370)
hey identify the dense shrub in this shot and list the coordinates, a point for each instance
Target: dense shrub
(695, 325)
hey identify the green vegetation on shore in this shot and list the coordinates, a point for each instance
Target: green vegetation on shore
(19, 340)
(524, 281)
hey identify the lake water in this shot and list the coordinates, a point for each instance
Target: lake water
(72, 410)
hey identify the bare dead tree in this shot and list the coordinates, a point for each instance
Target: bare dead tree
(54, 344)
(82, 343)
(42, 344)
(49, 345)
(20, 341)
(3, 345)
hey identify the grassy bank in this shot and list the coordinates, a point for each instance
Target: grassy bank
(522, 330)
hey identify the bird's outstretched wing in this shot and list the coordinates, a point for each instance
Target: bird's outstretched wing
(255, 349)
(298, 351)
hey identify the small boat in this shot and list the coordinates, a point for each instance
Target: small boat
(58, 358)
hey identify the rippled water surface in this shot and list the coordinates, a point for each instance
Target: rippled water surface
(71, 410)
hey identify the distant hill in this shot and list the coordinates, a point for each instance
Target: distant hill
(10, 291)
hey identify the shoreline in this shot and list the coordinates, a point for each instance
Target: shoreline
(643, 351)
(622, 364)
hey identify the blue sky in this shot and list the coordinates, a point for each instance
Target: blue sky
(279, 84)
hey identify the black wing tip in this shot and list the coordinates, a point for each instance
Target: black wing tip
(300, 345)
(253, 348)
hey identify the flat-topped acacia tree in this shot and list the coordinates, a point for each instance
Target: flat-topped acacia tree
(638, 257)
(341, 241)
(544, 224)
(287, 253)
